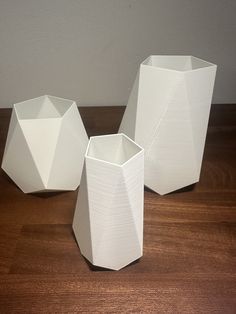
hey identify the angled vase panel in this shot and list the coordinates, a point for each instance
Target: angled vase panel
(69, 153)
(110, 202)
(18, 162)
(45, 146)
(170, 106)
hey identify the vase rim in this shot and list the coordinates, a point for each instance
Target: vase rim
(179, 63)
(114, 149)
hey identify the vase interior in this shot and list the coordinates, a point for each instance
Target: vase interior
(116, 149)
(177, 63)
(43, 107)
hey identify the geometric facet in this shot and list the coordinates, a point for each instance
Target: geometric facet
(45, 145)
(108, 219)
(167, 114)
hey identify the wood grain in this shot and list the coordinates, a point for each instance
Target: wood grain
(189, 262)
(9, 234)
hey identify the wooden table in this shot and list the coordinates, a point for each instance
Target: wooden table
(189, 260)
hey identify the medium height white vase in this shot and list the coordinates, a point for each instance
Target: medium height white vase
(108, 219)
(167, 114)
(45, 145)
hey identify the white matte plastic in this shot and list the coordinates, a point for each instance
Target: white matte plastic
(108, 219)
(167, 114)
(45, 145)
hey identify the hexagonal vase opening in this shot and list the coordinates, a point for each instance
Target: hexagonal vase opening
(176, 63)
(167, 114)
(44, 107)
(108, 219)
(116, 149)
(45, 145)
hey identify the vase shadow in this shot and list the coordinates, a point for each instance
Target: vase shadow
(185, 189)
(48, 194)
(102, 269)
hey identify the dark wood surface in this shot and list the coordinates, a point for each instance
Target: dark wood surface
(189, 260)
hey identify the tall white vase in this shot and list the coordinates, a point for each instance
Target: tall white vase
(108, 219)
(45, 145)
(167, 114)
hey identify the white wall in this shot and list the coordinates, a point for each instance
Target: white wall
(90, 50)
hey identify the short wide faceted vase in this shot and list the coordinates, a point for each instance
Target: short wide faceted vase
(167, 114)
(45, 145)
(108, 219)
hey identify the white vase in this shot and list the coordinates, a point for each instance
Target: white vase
(167, 114)
(45, 145)
(108, 219)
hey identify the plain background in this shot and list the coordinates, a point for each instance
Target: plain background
(90, 50)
